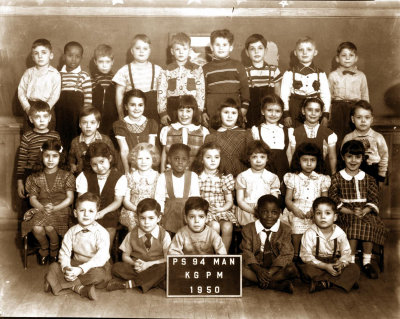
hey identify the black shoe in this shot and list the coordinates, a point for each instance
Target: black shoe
(115, 284)
(356, 286)
(285, 286)
(88, 292)
(53, 259)
(319, 285)
(47, 287)
(42, 260)
(370, 271)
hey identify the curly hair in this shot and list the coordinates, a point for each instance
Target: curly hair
(198, 163)
(100, 149)
(306, 149)
(133, 154)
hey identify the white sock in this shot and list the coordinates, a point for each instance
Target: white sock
(353, 259)
(367, 259)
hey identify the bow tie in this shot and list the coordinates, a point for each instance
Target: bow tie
(85, 230)
(348, 72)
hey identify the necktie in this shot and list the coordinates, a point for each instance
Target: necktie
(267, 257)
(147, 243)
(348, 72)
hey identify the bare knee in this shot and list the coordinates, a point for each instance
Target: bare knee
(38, 230)
(226, 227)
(215, 225)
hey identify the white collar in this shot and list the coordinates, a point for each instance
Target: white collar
(260, 227)
(190, 127)
(360, 175)
(313, 175)
(337, 231)
(224, 129)
(271, 125)
(91, 227)
(76, 70)
(155, 232)
(140, 121)
(315, 127)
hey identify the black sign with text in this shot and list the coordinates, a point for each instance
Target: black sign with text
(204, 276)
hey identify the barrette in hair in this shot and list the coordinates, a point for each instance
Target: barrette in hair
(61, 149)
(41, 149)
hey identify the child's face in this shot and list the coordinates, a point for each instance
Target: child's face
(104, 64)
(268, 214)
(229, 116)
(72, 57)
(305, 52)
(196, 220)
(51, 159)
(308, 163)
(88, 125)
(40, 121)
(179, 160)
(362, 119)
(211, 159)
(221, 48)
(135, 107)
(256, 52)
(148, 220)
(42, 56)
(347, 58)
(312, 112)
(86, 212)
(100, 165)
(144, 160)
(352, 162)
(324, 216)
(258, 161)
(272, 113)
(180, 52)
(141, 51)
(185, 115)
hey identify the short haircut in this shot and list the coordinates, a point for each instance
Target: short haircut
(361, 104)
(180, 38)
(39, 106)
(153, 150)
(265, 199)
(188, 101)
(178, 147)
(141, 37)
(73, 44)
(99, 149)
(196, 203)
(255, 38)
(216, 122)
(133, 93)
(255, 147)
(103, 50)
(148, 204)
(353, 147)
(88, 197)
(42, 43)
(306, 39)
(271, 99)
(225, 33)
(346, 45)
(324, 200)
(89, 110)
(306, 149)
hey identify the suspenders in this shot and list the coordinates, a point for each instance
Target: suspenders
(152, 76)
(334, 248)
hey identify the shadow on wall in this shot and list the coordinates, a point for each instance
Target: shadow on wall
(392, 98)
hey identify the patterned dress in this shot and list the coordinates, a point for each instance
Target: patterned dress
(38, 185)
(213, 188)
(139, 187)
(305, 190)
(360, 190)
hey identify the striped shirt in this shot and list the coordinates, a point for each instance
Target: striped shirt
(77, 80)
(29, 149)
(267, 75)
(103, 80)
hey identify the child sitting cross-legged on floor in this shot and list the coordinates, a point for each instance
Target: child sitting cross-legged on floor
(144, 252)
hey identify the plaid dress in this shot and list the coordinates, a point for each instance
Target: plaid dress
(37, 185)
(360, 190)
(213, 188)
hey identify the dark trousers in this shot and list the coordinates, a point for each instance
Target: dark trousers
(295, 105)
(147, 279)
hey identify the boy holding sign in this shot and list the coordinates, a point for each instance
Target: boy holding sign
(267, 248)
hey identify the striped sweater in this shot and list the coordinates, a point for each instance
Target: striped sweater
(227, 76)
(267, 75)
(31, 142)
(77, 80)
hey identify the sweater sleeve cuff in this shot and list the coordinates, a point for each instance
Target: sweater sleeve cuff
(326, 115)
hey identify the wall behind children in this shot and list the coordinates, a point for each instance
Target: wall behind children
(377, 39)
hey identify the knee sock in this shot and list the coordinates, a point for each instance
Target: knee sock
(44, 246)
(53, 249)
(366, 259)
(130, 284)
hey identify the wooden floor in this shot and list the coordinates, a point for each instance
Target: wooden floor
(21, 294)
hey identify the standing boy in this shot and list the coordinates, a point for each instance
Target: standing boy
(144, 252)
(84, 254)
(41, 82)
(181, 77)
(302, 81)
(225, 77)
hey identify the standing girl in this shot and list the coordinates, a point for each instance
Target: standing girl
(303, 184)
(135, 127)
(142, 180)
(231, 137)
(105, 181)
(312, 132)
(274, 134)
(216, 186)
(186, 129)
(51, 192)
(357, 198)
(254, 182)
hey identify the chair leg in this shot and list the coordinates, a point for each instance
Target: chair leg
(381, 258)
(25, 251)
